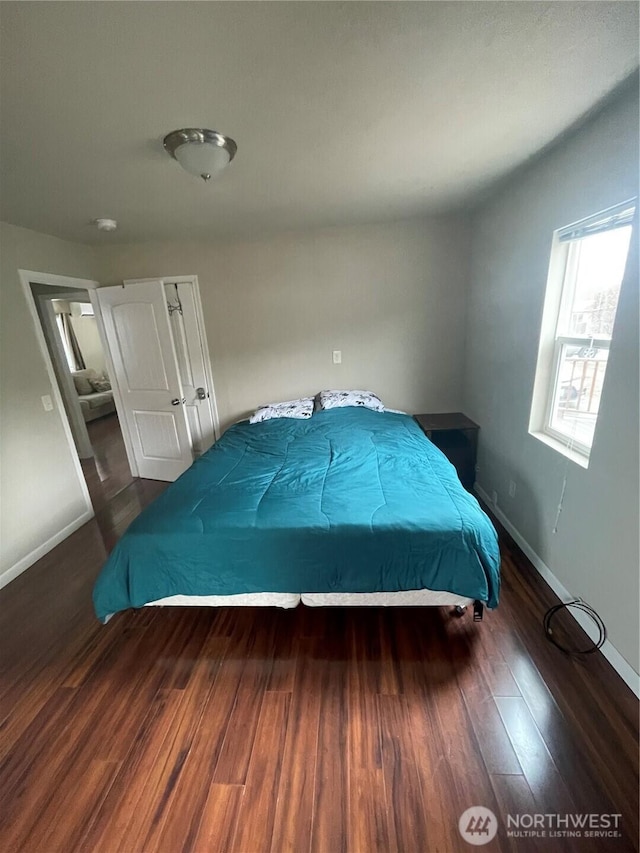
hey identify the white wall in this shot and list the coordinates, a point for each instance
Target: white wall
(86, 329)
(391, 297)
(40, 493)
(595, 551)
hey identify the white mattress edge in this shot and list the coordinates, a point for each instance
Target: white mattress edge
(242, 599)
(407, 598)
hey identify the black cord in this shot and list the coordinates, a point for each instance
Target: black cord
(579, 604)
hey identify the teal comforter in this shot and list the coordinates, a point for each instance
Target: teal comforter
(350, 500)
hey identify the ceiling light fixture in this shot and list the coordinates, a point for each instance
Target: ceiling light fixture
(200, 152)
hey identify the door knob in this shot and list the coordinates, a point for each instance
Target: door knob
(176, 401)
(201, 394)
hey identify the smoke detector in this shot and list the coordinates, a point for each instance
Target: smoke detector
(105, 224)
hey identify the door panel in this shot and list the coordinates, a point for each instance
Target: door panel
(191, 365)
(136, 324)
(143, 366)
(158, 435)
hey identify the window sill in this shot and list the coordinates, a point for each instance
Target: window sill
(574, 455)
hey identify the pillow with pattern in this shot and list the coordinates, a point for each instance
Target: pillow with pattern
(100, 385)
(339, 399)
(302, 408)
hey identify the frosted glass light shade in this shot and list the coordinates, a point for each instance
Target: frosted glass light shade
(200, 152)
(202, 158)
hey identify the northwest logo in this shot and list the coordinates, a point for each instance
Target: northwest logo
(478, 825)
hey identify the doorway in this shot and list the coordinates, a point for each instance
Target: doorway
(102, 347)
(73, 341)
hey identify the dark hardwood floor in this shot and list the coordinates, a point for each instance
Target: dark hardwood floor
(108, 472)
(307, 730)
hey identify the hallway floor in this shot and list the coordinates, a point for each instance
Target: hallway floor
(108, 473)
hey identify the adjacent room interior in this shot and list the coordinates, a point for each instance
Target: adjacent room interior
(319, 374)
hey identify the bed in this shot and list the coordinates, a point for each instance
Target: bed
(351, 506)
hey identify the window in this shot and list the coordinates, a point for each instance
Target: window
(587, 266)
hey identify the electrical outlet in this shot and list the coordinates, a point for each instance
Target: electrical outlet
(494, 497)
(47, 403)
(512, 489)
(337, 356)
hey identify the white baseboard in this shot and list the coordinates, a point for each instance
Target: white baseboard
(624, 669)
(22, 565)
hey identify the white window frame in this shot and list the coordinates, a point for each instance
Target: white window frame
(561, 282)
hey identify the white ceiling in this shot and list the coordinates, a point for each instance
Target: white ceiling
(343, 111)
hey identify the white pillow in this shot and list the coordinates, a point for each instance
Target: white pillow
(338, 399)
(302, 408)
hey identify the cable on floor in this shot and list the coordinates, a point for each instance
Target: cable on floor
(578, 604)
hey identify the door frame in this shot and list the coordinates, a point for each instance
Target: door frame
(63, 373)
(91, 286)
(26, 277)
(204, 345)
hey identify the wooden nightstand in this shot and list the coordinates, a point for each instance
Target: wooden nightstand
(457, 437)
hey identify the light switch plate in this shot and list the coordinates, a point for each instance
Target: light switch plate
(47, 403)
(337, 356)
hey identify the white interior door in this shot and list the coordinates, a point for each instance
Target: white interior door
(190, 352)
(136, 325)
